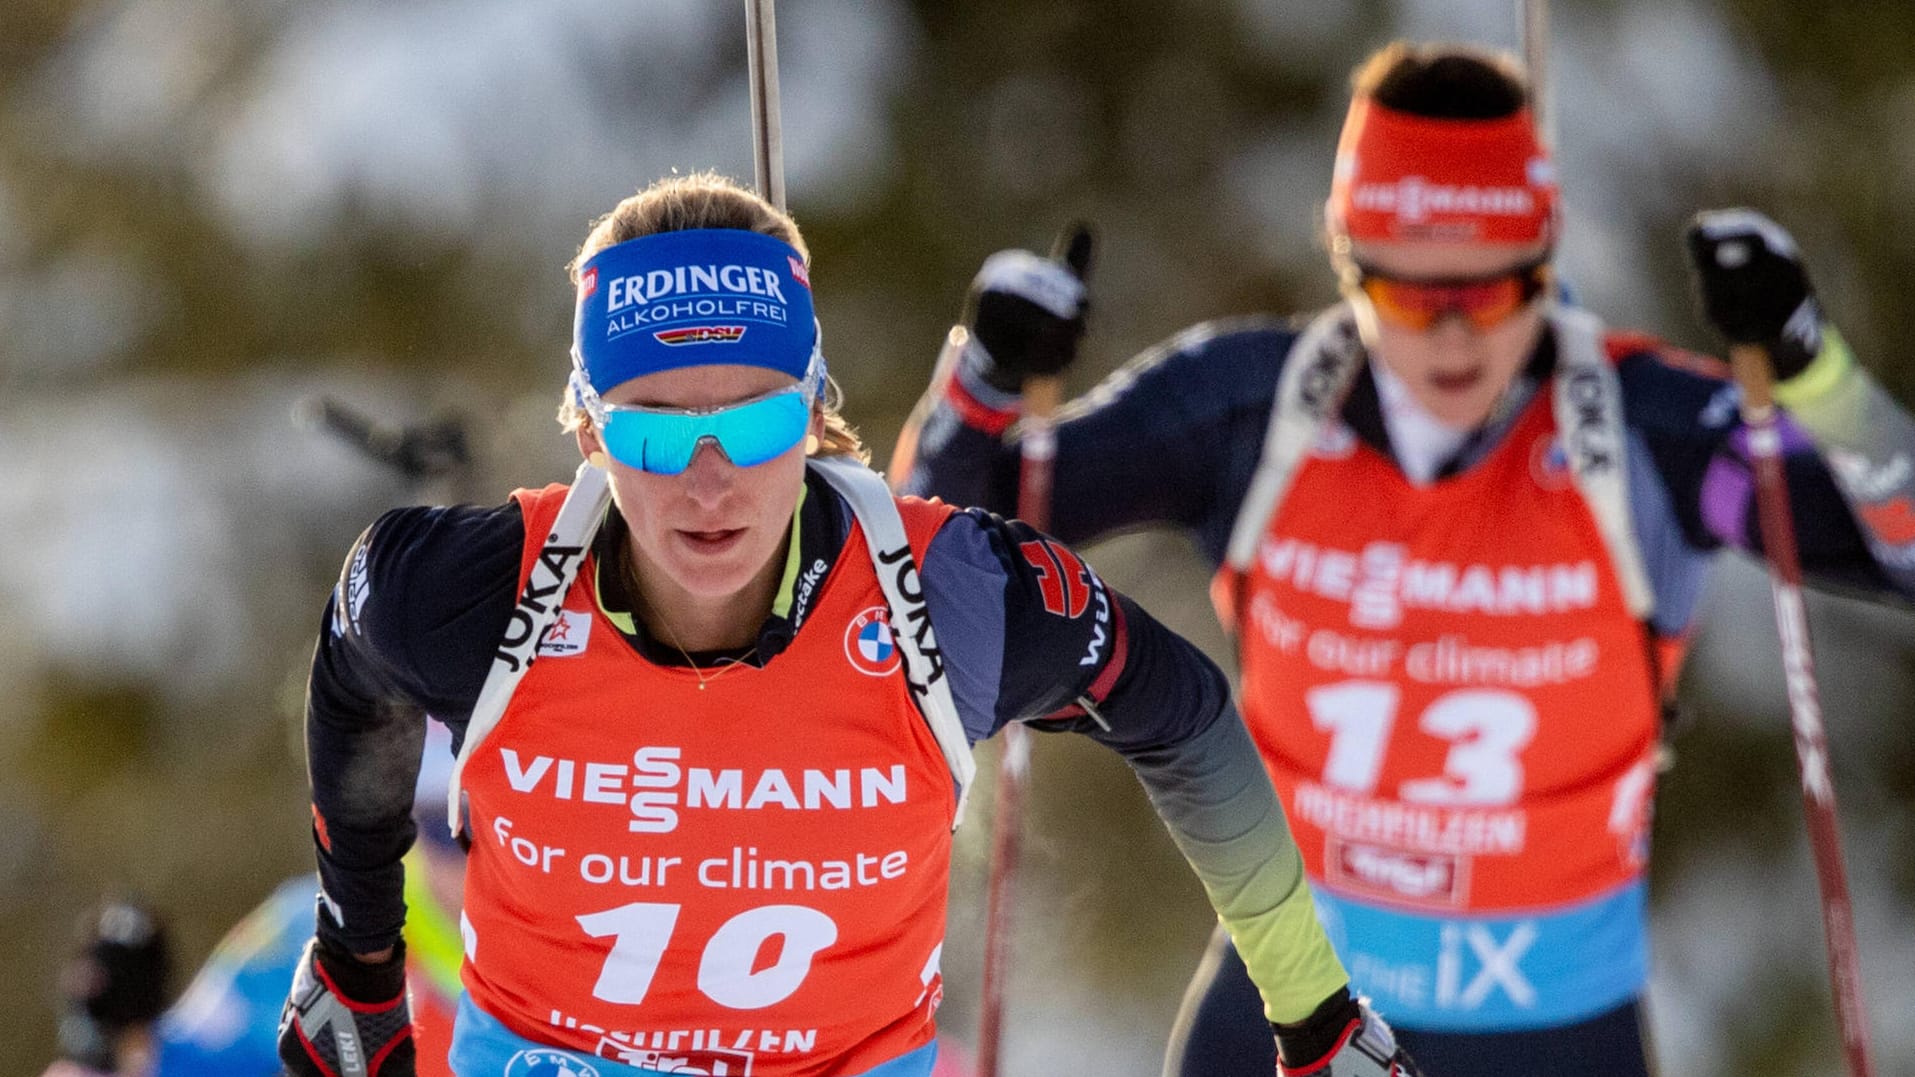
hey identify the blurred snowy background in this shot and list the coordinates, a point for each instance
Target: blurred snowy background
(213, 209)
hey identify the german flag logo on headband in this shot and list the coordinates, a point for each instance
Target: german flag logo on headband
(701, 334)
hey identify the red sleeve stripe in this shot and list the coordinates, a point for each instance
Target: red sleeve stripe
(1622, 345)
(974, 412)
(1119, 653)
(351, 1004)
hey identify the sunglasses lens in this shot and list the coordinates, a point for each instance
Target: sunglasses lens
(1484, 304)
(659, 444)
(763, 429)
(663, 443)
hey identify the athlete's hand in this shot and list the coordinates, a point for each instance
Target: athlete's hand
(1026, 312)
(114, 983)
(1753, 288)
(347, 1018)
(1343, 1038)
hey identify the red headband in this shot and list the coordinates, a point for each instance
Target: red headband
(1400, 176)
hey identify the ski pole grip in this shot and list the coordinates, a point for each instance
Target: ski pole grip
(1041, 395)
(1756, 377)
(1073, 247)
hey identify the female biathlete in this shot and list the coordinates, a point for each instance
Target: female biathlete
(710, 758)
(1460, 533)
(225, 1022)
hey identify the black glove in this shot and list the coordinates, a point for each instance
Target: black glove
(116, 981)
(1027, 312)
(347, 1018)
(1343, 1038)
(1752, 287)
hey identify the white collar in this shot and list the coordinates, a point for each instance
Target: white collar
(1422, 442)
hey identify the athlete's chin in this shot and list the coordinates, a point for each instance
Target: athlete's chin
(1463, 404)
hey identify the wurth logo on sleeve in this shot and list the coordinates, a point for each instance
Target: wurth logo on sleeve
(1064, 581)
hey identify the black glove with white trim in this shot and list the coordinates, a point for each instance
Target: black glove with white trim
(115, 982)
(1026, 312)
(347, 1017)
(1343, 1038)
(1752, 286)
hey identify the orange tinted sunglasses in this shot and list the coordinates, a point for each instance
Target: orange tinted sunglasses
(1417, 304)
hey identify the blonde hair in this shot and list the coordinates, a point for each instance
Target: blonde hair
(708, 200)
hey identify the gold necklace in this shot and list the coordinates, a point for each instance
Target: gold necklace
(629, 578)
(729, 664)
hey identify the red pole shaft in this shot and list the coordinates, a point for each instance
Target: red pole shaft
(1013, 763)
(1752, 373)
(1037, 449)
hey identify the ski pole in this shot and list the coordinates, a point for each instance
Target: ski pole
(418, 452)
(1754, 375)
(904, 454)
(1037, 451)
(767, 131)
(1533, 18)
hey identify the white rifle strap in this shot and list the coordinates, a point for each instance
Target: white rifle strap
(877, 512)
(1587, 397)
(539, 604)
(1316, 376)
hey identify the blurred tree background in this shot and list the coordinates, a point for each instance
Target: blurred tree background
(211, 210)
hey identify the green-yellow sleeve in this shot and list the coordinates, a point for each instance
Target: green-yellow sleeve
(1214, 796)
(1868, 442)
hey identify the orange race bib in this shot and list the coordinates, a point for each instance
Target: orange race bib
(1458, 711)
(744, 878)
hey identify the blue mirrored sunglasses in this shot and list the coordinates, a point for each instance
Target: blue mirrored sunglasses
(662, 441)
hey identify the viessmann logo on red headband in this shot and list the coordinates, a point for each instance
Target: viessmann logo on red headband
(1401, 177)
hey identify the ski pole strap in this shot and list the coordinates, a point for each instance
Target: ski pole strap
(877, 512)
(1587, 397)
(539, 603)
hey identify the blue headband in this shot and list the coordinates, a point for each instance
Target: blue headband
(678, 299)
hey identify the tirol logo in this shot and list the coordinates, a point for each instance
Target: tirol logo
(1428, 878)
(588, 282)
(545, 1062)
(798, 271)
(720, 1063)
(701, 334)
(567, 634)
(552, 569)
(869, 645)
